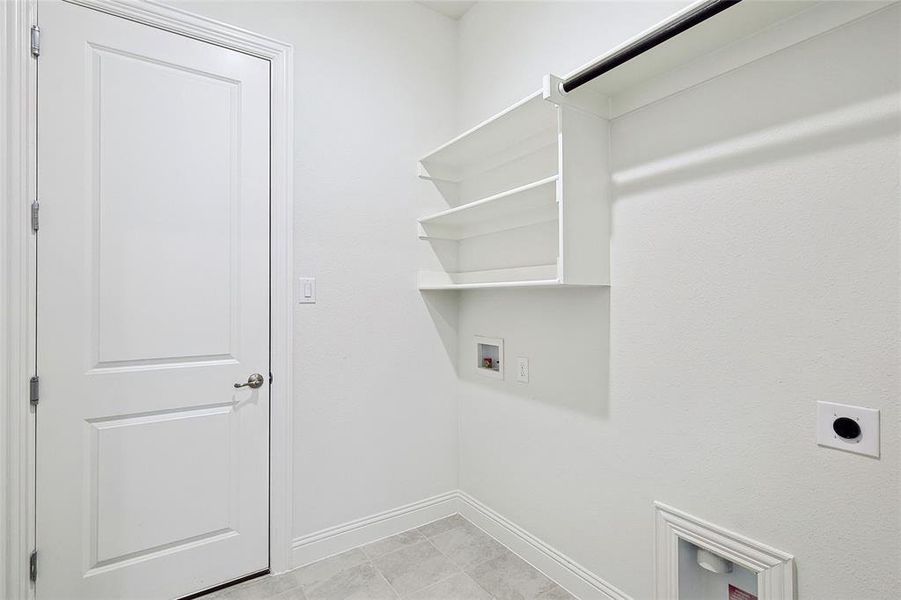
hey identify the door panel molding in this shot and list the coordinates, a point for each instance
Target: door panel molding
(17, 267)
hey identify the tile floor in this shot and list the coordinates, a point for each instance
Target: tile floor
(450, 559)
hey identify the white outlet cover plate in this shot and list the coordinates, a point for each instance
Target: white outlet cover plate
(522, 369)
(868, 419)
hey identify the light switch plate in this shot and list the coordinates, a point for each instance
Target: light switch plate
(867, 443)
(305, 292)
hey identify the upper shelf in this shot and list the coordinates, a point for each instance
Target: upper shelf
(549, 232)
(526, 205)
(735, 23)
(530, 123)
(736, 36)
(502, 152)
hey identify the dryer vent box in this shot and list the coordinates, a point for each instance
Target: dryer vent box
(849, 428)
(490, 356)
(703, 574)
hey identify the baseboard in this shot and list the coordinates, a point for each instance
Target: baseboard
(581, 582)
(578, 580)
(334, 540)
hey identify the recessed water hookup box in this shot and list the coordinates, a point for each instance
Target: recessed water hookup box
(490, 356)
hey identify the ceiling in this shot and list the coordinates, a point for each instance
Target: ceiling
(449, 8)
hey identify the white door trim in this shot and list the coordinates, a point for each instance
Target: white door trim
(17, 136)
(17, 273)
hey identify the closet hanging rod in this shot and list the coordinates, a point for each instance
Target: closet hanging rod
(653, 38)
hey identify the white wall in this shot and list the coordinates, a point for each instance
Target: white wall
(746, 287)
(506, 48)
(375, 412)
(747, 284)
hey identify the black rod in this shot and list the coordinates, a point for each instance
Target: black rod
(655, 38)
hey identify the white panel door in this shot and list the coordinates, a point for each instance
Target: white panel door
(153, 300)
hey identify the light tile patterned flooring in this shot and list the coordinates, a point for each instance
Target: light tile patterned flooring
(450, 559)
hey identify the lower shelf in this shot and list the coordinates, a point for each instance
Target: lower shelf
(516, 277)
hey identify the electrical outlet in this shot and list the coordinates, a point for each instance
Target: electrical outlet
(522, 369)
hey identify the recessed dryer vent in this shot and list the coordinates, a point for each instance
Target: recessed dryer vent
(697, 560)
(704, 575)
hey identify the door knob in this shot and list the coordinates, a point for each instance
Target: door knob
(254, 381)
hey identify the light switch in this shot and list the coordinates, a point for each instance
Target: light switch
(306, 290)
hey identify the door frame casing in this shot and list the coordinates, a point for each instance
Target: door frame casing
(18, 120)
(17, 300)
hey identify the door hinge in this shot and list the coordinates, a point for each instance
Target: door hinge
(35, 41)
(34, 390)
(33, 566)
(270, 378)
(35, 215)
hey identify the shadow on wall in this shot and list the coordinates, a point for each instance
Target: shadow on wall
(845, 126)
(767, 111)
(443, 308)
(564, 333)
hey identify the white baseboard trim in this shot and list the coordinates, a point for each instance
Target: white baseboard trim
(581, 582)
(334, 540)
(578, 580)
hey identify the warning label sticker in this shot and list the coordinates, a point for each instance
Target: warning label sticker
(739, 594)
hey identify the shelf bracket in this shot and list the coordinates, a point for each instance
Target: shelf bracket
(438, 174)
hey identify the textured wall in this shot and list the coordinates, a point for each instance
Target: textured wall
(755, 271)
(375, 412)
